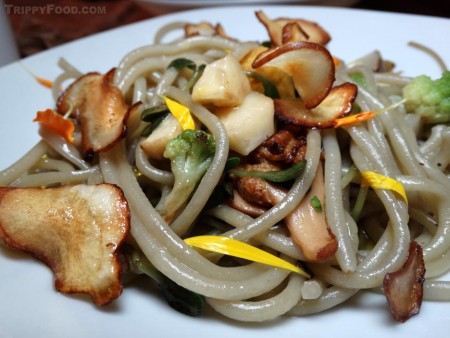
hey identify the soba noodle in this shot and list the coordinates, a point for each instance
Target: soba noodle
(254, 292)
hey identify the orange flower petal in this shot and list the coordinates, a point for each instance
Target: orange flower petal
(56, 122)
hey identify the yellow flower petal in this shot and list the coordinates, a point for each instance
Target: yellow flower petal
(181, 113)
(378, 181)
(235, 248)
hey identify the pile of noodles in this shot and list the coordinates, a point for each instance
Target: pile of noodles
(387, 144)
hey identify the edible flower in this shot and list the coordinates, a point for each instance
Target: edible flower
(364, 116)
(45, 82)
(235, 248)
(56, 122)
(336, 61)
(181, 113)
(352, 119)
(378, 181)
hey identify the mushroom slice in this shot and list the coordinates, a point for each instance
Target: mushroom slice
(338, 103)
(404, 288)
(241, 204)
(310, 66)
(309, 29)
(204, 28)
(374, 62)
(99, 108)
(308, 227)
(75, 230)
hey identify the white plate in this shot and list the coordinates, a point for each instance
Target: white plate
(29, 306)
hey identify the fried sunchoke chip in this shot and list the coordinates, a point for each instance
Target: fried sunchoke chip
(337, 103)
(100, 109)
(204, 28)
(285, 30)
(308, 226)
(310, 66)
(374, 62)
(75, 230)
(404, 288)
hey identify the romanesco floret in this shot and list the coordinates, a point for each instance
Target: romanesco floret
(190, 154)
(429, 98)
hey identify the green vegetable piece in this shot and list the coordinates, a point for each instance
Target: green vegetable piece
(316, 204)
(273, 176)
(183, 300)
(220, 193)
(270, 89)
(152, 126)
(232, 162)
(190, 155)
(359, 79)
(429, 98)
(179, 298)
(153, 113)
(181, 63)
(194, 78)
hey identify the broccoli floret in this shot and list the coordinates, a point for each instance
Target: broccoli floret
(429, 98)
(190, 155)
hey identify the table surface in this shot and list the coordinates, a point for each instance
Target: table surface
(38, 31)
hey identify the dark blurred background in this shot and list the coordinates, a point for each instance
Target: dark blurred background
(36, 30)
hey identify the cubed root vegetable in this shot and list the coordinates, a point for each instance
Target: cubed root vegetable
(222, 84)
(155, 144)
(250, 123)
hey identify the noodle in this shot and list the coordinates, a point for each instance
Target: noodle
(373, 227)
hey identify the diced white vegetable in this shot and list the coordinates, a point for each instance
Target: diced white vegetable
(155, 144)
(222, 84)
(249, 124)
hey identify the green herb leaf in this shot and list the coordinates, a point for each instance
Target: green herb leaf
(181, 63)
(359, 79)
(183, 300)
(232, 162)
(220, 193)
(270, 89)
(153, 113)
(273, 176)
(179, 298)
(194, 78)
(315, 203)
(152, 126)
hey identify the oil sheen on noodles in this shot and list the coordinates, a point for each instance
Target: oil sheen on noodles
(253, 292)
